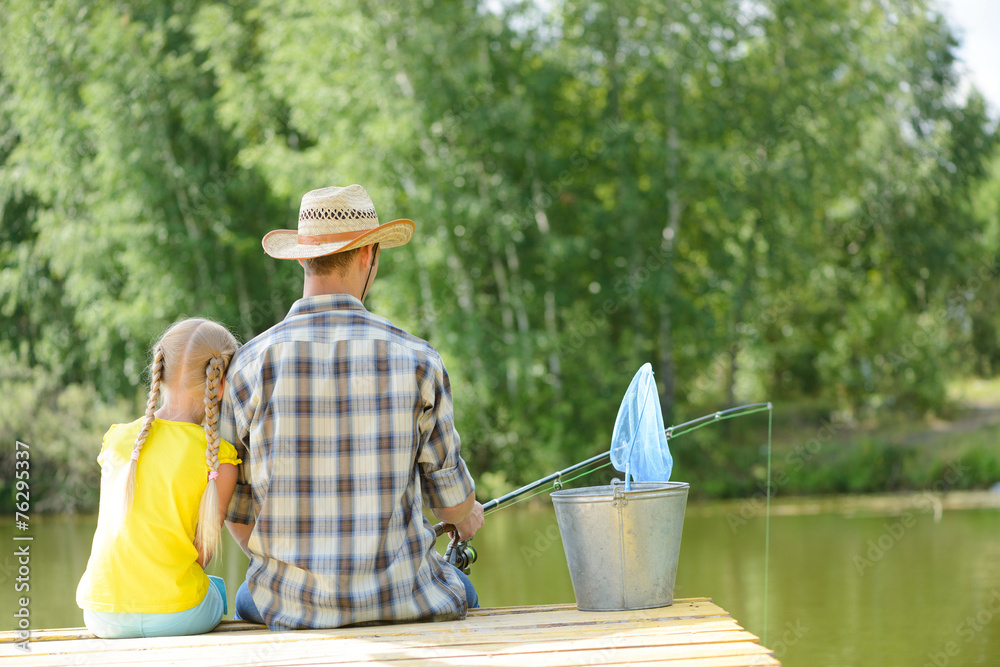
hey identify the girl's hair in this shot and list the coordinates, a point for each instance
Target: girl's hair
(192, 355)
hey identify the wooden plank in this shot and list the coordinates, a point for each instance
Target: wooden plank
(627, 656)
(61, 634)
(654, 658)
(560, 658)
(496, 611)
(760, 660)
(398, 656)
(493, 641)
(511, 618)
(694, 631)
(477, 639)
(345, 650)
(602, 644)
(480, 641)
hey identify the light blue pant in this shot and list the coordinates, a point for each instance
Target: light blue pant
(194, 621)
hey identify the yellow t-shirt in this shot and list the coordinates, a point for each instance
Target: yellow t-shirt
(149, 564)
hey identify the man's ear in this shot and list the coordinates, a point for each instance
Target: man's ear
(365, 256)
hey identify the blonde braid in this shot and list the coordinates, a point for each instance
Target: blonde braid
(207, 534)
(140, 439)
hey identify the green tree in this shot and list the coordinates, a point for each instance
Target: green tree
(768, 200)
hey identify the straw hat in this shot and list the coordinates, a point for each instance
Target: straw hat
(335, 220)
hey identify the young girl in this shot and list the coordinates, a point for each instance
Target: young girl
(166, 480)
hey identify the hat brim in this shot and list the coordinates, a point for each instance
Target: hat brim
(284, 243)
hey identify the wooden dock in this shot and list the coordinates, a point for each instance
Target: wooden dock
(692, 632)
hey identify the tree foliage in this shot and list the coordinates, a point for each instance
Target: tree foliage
(775, 199)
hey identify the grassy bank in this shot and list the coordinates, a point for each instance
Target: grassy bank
(819, 451)
(815, 450)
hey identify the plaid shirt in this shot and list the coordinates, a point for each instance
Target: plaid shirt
(345, 426)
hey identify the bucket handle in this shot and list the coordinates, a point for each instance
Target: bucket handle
(620, 499)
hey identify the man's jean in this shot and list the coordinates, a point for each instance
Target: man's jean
(246, 609)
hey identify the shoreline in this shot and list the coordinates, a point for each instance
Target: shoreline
(850, 505)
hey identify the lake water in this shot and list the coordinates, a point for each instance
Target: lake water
(875, 587)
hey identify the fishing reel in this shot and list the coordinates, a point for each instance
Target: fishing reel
(461, 554)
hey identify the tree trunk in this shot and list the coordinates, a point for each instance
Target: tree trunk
(665, 348)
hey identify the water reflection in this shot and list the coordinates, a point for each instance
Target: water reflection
(877, 590)
(894, 589)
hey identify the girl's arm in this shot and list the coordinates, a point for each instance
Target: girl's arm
(224, 485)
(240, 532)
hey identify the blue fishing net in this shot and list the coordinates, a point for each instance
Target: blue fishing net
(639, 445)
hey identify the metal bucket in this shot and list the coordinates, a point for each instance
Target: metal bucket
(622, 546)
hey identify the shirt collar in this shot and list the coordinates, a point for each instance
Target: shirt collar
(324, 302)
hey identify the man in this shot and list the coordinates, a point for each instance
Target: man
(345, 424)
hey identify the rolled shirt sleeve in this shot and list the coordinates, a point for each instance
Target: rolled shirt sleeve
(235, 428)
(446, 481)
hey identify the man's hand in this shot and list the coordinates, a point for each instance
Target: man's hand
(241, 533)
(467, 516)
(472, 523)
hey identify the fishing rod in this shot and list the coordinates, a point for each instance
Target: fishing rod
(462, 555)
(715, 416)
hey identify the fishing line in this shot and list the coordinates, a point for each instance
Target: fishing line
(767, 517)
